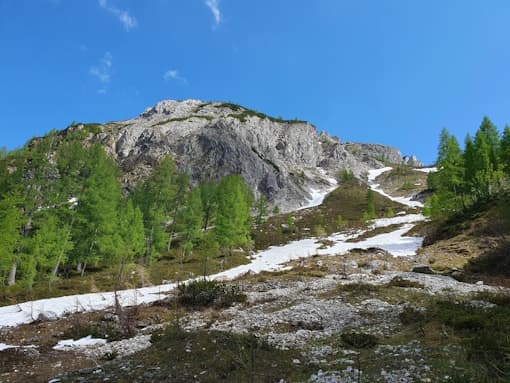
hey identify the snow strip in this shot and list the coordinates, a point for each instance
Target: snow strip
(88, 341)
(4, 346)
(317, 195)
(373, 174)
(432, 169)
(274, 258)
(269, 260)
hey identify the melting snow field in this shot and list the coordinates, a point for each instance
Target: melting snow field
(272, 259)
(373, 174)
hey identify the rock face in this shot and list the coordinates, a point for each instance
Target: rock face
(281, 159)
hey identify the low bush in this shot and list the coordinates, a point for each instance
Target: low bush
(206, 293)
(401, 282)
(359, 339)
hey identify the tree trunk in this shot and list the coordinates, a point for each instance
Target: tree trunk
(174, 221)
(12, 274)
(83, 268)
(172, 230)
(206, 220)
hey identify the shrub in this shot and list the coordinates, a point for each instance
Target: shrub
(205, 293)
(341, 223)
(389, 212)
(411, 315)
(401, 282)
(319, 231)
(359, 339)
(345, 175)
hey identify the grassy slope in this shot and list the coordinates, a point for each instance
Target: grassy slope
(168, 267)
(477, 241)
(403, 181)
(341, 210)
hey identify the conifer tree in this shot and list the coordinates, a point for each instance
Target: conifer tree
(131, 234)
(209, 197)
(505, 151)
(450, 174)
(370, 213)
(487, 175)
(52, 243)
(260, 209)
(97, 222)
(469, 165)
(11, 222)
(190, 221)
(156, 198)
(491, 137)
(182, 189)
(233, 222)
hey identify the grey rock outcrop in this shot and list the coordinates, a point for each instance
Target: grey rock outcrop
(281, 159)
(412, 161)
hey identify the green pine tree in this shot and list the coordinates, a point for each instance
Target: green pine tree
(190, 221)
(11, 223)
(51, 244)
(131, 236)
(370, 213)
(209, 197)
(261, 209)
(96, 222)
(233, 222)
(505, 151)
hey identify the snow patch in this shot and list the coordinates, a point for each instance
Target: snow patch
(373, 174)
(318, 195)
(69, 344)
(4, 346)
(432, 169)
(274, 258)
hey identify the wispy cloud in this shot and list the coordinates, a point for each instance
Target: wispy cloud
(214, 7)
(173, 74)
(129, 22)
(102, 72)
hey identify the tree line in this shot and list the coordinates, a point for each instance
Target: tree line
(466, 176)
(62, 207)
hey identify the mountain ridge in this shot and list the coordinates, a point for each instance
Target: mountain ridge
(281, 159)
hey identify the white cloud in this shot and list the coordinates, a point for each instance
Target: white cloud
(129, 22)
(214, 7)
(173, 74)
(102, 71)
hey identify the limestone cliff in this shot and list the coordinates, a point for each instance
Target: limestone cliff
(281, 159)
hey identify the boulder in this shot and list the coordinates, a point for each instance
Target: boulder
(422, 269)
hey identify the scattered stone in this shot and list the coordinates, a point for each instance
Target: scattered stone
(109, 317)
(422, 269)
(47, 316)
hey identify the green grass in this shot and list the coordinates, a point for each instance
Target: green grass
(178, 119)
(349, 201)
(169, 267)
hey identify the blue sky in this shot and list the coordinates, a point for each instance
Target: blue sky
(392, 72)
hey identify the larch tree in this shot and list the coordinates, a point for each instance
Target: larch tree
(96, 212)
(11, 222)
(505, 151)
(233, 222)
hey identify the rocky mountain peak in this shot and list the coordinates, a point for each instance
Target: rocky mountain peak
(283, 159)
